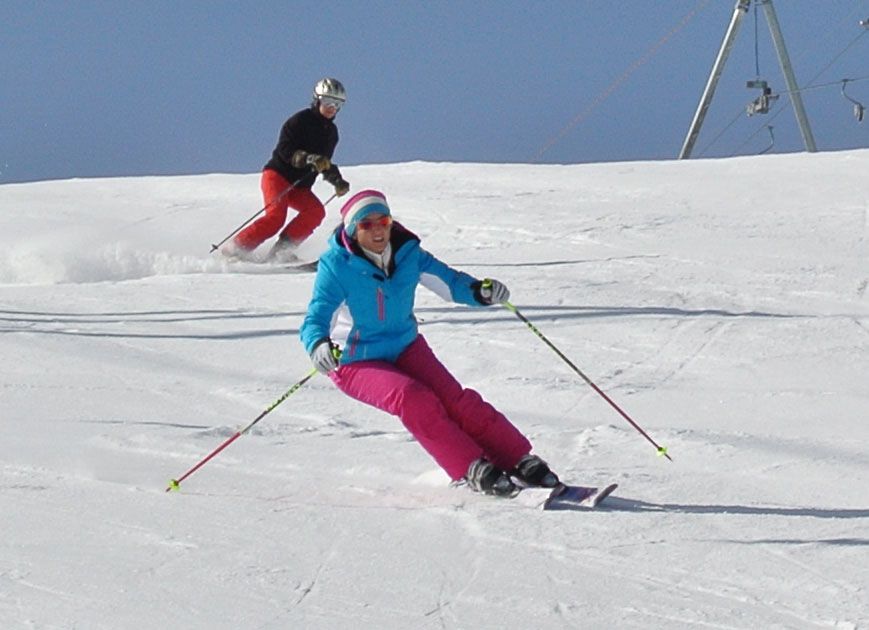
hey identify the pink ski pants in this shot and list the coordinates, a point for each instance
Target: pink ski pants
(278, 199)
(455, 425)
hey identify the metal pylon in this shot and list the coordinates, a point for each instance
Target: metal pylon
(784, 61)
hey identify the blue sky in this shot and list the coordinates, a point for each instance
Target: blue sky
(107, 88)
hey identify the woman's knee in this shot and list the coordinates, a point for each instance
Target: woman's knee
(415, 395)
(420, 410)
(467, 402)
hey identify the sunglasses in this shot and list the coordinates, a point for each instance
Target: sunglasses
(329, 101)
(367, 224)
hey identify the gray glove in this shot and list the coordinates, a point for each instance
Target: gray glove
(301, 159)
(492, 292)
(319, 162)
(325, 356)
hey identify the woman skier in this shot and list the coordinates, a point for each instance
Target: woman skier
(363, 299)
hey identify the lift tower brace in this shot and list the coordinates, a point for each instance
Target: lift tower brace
(784, 61)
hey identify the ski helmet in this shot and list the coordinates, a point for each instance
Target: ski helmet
(331, 88)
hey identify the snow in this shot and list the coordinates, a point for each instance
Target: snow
(722, 303)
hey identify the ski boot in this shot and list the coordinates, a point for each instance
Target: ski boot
(283, 251)
(533, 471)
(484, 477)
(234, 252)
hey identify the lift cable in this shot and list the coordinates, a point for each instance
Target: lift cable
(612, 87)
(756, 44)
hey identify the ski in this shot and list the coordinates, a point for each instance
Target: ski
(561, 497)
(249, 266)
(565, 496)
(301, 266)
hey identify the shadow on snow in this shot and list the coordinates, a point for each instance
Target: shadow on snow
(634, 505)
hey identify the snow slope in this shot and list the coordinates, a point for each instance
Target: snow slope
(722, 303)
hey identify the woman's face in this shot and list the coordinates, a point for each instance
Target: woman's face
(373, 231)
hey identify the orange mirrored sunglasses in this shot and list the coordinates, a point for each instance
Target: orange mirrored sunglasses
(367, 224)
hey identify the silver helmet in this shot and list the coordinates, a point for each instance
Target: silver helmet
(331, 88)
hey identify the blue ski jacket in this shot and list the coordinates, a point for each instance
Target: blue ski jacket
(369, 313)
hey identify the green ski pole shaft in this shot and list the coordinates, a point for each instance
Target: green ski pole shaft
(175, 484)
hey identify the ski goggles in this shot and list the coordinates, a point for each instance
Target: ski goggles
(367, 224)
(329, 101)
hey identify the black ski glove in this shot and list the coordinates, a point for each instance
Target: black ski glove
(342, 187)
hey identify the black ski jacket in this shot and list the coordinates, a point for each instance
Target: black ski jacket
(310, 132)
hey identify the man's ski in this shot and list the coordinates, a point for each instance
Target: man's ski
(300, 266)
(250, 266)
(564, 496)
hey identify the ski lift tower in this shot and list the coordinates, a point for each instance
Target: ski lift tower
(784, 61)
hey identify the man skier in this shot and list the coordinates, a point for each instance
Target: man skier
(304, 150)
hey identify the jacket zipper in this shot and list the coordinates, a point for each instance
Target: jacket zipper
(381, 305)
(353, 345)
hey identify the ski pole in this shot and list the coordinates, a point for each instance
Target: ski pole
(661, 449)
(175, 484)
(259, 212)
(263, 209)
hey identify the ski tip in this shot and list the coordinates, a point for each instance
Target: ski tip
(567, 497)
(603, 494)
